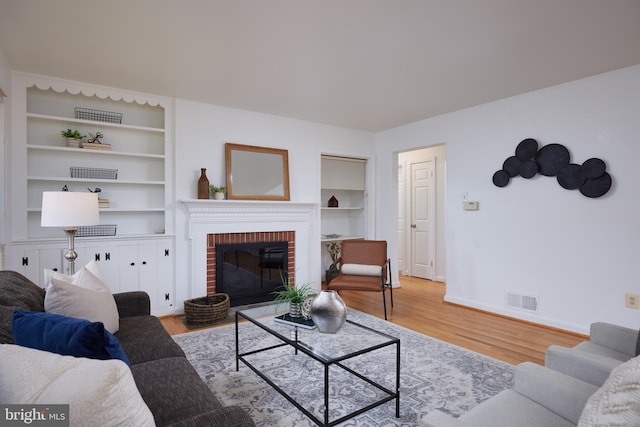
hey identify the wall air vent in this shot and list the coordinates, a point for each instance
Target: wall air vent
(521, 301)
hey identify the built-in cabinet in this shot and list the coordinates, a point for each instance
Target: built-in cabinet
(132, 168)
(343, 179)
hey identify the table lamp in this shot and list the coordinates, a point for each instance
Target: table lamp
(69, 210)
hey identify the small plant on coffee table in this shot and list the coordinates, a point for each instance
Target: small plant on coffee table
(292, 295)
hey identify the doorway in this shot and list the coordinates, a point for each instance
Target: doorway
(420, 222)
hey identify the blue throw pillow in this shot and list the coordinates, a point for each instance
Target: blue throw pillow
(65, 335)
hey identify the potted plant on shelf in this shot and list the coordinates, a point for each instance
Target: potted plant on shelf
(294, 295)
(218, 192)
(73, 137)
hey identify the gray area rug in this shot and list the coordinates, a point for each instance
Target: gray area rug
(434, 375)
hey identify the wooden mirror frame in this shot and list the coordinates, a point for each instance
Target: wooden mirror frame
(242, 170)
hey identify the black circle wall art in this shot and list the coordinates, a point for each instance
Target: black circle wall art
(554, 160)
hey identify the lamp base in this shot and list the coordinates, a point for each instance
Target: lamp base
(71, 254)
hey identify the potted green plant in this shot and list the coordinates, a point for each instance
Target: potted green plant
(294, 295)
(334, 251)
(218, 192)
(73, 137)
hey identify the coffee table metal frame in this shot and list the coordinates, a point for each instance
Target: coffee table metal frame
(327, 361)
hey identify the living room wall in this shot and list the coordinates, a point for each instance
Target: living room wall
(575, 254)
(5, 85)
(201, 130)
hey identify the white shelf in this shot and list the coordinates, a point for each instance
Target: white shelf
(91, 152)
(341, 238)
(62, 119)
(93, 180)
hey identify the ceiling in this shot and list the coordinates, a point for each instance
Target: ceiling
(362, 64)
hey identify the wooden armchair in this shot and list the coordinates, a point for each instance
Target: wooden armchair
(364, 266)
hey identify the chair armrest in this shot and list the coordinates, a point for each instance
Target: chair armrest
(589, 367)
(559, 393)
(229, 416)
(619, 338)
(134, 303)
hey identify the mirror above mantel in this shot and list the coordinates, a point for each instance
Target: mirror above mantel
(256, 173)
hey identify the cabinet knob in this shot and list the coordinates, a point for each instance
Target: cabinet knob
(144, 262)
(133, 263)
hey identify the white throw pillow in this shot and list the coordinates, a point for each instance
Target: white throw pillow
(361, 269)
(617, 402)
(83, 295)
(99, 392)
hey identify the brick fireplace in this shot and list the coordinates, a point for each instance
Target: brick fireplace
(256, 240)
(212, 222)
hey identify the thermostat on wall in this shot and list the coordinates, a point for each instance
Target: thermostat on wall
(470, 206)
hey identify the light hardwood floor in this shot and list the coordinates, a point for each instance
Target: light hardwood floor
(419, 305)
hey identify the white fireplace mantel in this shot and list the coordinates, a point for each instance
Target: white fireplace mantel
(245, 216)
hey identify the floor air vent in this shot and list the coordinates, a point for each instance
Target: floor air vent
(521, 301)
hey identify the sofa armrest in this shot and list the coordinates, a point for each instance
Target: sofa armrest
(589, 367)
(229, 416)
(134, 303)
(619, 338)
(559, 393)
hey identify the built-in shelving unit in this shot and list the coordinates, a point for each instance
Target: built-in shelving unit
(344, 179)
(138, 187)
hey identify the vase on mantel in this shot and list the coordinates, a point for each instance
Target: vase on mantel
(203, 185)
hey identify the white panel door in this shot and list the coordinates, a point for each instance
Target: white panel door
(422, 192)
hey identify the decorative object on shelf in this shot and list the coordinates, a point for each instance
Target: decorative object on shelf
(591, 178)
(293, 295)
(94, 142)
(98, 115)
(203, 185)
(73, 137)
(333, 202)
(69, 210)
(206, 310)
(93, 173)
(100, 230)
(328, 312)
(218, 192)
(102, 203)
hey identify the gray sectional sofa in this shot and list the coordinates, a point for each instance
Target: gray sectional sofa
(168, 384)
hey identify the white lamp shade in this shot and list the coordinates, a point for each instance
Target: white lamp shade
(69, 209)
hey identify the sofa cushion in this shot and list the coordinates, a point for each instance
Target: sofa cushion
(18, 291)
(173, 390)
(84, 295)
(509, 408)
(6, 317)
(99, 392)
(65, 336)
(617, 402)
(144, 338)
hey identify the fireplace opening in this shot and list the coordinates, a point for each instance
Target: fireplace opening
(250, 272)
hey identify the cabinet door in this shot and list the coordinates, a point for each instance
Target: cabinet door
(129, 269)
(165, 278)
(107, 258)
(34, 261)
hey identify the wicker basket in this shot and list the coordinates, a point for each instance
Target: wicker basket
(205, 310)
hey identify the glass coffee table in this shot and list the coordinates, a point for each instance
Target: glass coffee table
(351, 341)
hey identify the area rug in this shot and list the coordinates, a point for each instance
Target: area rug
(434, 375)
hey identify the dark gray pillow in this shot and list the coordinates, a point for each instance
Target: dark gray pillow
(18, 291)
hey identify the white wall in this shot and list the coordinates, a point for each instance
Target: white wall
(201, 131)
(5, 85)
(578, 255)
